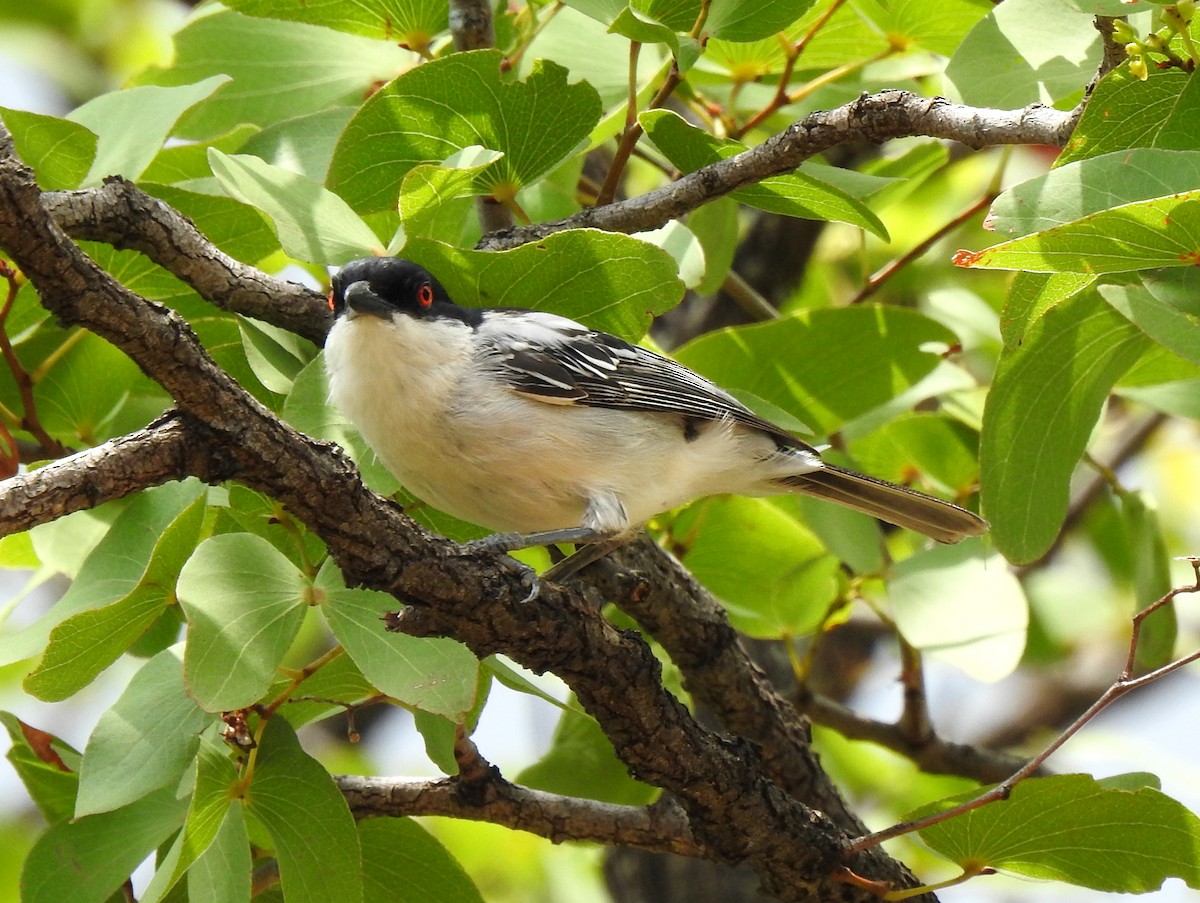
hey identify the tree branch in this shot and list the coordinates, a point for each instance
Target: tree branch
(165, 450)
(872, 117)
(660, 828)
(124, 216)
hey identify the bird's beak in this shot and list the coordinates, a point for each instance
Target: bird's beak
(361, 301)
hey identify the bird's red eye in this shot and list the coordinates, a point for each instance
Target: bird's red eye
(425, 294)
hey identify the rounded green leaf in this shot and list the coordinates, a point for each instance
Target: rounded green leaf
(407, 22)
(132, 125)
(1075, 829)
(275, 86)
(244, 602)
(1160, 232)
(145, 741)
(315, 840)
(85, 644)
(87, 860)
(431, 673)
(1024, 51)
(984, 634)
(313, 224)
(824, 367)
(404, 863)
(59, 151)
(772, 574)
(536, 124)
(801, 193)
(606, 280)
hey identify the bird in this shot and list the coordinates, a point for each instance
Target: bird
(536, 427)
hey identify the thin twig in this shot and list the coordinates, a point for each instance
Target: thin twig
(1126, 683)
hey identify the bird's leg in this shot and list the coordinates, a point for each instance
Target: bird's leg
(593, 546)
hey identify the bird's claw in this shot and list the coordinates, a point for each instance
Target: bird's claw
(527, 574)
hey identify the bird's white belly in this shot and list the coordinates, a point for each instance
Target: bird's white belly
(511, 463)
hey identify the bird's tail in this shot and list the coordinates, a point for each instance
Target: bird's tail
(935, 518)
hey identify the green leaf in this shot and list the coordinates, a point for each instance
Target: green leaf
(115, 566)
(986, 638)
(854, 360)
(1089, 186)
(313, 224)
(83, 645)
(432, 673)
(774, 577)
(404, 863)
(1024, 51)
(304, 144)
(275, 86)
(427, 189)
(46, 766)
(244, 602)
(59, 151)
(86, 860)
(315, 840)
(581, 762)
(276, 355)
(1125, 112)
(412, 23)
(1045, 400)
(535, 124)
(132, 125)
(145, 741)
(801, 193)
(934, 445)
(222, 873)
(677, 240)
(81, 393)
(716, 227)
(1170, 327)
(752, 20)
(1160, 232)
(606, 280)
(1031, 295)
(213, 796)
(1074, 829)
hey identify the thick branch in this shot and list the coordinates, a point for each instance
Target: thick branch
(165, 450)
(124, 216)
(873, 117)
(661, 828)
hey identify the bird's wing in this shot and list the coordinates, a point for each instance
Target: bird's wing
(558, 361)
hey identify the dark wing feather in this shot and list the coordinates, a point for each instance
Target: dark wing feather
(560, 362)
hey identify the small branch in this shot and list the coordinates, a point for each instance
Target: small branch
(872, 117)
(880, 277)
(50, 447)
(122, 215)
(662, 827)
(914, 721)
(165, 450)
(1125, 683)
(934, 756)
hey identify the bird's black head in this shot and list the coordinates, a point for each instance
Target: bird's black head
(382, 286)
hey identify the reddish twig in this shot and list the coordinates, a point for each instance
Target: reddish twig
(50, 446)
(1125, 683)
